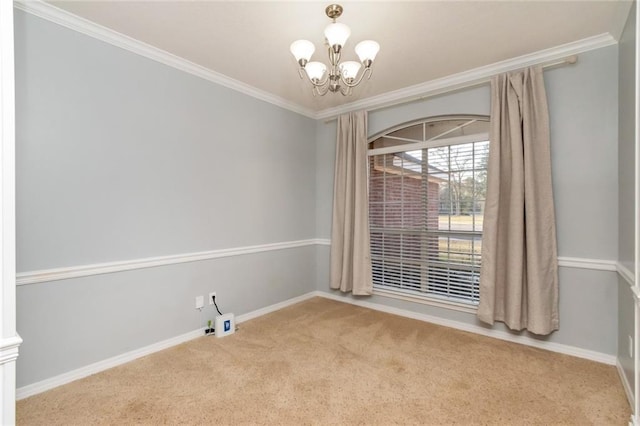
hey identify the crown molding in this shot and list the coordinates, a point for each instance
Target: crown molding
(66, 19)
(470, 78)
(465, 79)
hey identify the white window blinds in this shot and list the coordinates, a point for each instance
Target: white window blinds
(426, 199)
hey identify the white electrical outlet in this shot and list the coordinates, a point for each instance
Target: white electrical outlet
(199, 302)
(211, 296)
(630, 347)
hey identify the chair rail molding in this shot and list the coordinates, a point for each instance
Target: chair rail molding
(46, 275)
(9, 349)
(63, 273)
(625, 273)
(567, 262)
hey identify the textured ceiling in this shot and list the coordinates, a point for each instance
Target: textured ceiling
(420, 41)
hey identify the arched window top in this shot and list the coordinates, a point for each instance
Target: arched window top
(433, 131)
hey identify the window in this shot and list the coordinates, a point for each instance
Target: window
(427, 184)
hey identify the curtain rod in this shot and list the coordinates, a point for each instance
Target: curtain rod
(569, 60)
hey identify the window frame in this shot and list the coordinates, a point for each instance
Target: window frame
(432, 299)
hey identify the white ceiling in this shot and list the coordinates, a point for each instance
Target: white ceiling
(420, 40)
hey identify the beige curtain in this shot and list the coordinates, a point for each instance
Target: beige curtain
(350, 250)
(519, 275)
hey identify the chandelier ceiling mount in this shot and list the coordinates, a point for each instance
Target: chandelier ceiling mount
(333, 11)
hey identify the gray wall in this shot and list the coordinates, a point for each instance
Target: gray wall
(626, 188)
(583, 114)
(120, 158)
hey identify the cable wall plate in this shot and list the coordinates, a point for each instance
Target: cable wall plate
(225, 325)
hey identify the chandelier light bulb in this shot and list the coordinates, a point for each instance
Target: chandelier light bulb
(315, 70)
(367, 51)
(337, 34)
(302, 49)
(349, 69)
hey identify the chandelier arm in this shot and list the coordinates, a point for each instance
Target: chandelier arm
(321, 90)
(367, 71)
(346, 91)
(316, 84)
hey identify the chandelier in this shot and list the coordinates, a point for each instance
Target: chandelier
(345, 73)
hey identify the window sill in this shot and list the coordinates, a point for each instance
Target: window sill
(427, 300)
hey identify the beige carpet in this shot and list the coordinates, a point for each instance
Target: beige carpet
(326, 362)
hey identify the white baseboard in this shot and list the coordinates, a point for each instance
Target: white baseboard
(472, 328)
(47, 384)
(625, 383)
(99, 366)
(53, 382)
(272, 308)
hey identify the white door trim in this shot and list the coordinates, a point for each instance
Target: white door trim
(636, 287)
(9, 340)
